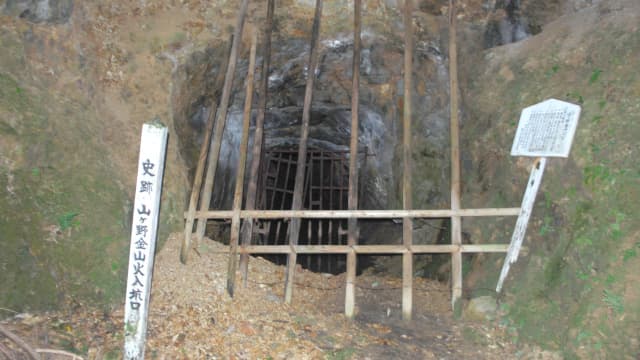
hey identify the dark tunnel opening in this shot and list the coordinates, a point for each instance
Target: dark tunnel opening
(326, 184)
(326, 187)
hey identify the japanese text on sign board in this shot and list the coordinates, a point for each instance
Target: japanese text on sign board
(141, 226)
(546, 129)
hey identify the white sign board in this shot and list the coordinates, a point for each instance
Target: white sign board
(143, 237)
(546, 129)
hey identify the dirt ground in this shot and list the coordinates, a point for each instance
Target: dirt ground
(193, 317)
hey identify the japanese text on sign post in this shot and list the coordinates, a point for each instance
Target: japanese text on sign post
(143, 237)
(545, 130)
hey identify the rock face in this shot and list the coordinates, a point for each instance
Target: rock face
(72, 98)
(49, 11)
(481, 308)
(381, 94)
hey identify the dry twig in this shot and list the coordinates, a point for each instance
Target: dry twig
(59, 352)
(16, 339)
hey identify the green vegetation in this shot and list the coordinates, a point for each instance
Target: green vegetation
(573, 292)
(67, 220)
(595, 75)
(613, 301)
(48, 251)
(341, 354)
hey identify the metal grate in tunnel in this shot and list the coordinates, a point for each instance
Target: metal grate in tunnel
(326, 188)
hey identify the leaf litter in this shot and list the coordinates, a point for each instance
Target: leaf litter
(193, 317)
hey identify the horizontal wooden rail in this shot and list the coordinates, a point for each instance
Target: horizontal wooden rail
(363, 214)
(368, 249)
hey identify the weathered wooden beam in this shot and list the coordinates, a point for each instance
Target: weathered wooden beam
(294, 226)
(256, 153)
(371, 249)
(349, 301)
(407, 222)
(237, 195)
(221, 118)
(202, 159)
(456, 221)
(529, 198)
(484, 248)
(362, 214)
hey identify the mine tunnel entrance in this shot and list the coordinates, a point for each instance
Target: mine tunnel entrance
(326, 187)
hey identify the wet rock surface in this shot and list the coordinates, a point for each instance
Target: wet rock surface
(47, 11)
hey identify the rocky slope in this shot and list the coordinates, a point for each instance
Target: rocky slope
(77, 80)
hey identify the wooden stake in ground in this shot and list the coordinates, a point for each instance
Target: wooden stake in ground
(237, 195)
(221, 117)
(294, 226)
(144, 234)
(407, 222)
(202, 159)
(456, 221)
(247, 225)
(349, 300)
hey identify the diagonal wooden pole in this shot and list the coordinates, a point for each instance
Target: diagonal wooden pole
(247, 225)
(529, 198)
(294, 226)
(202, 159)
(221, 117)
(407, 222)
(456, 221)
(237, 195)
(349, 301)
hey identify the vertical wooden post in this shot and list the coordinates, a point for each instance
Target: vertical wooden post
(221, 118)
(294, 226)
(349, 301)
(456, 221)
(407, 222)
(144, 233)
(202, 159)
(529, 198)
(237, 195)
(247, 225)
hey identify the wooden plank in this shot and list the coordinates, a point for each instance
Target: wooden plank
(484, 248)
(349, 300)
(294, 226)
(362, 214)
(221, 117)
(202, 159)
(256, 153)
(434, 249)
(456, 221)
(369, 249)
(529, 198)
(380, 249)
(407, 222)
(237, 195)
(144, 234)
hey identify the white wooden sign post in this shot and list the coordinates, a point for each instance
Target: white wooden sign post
(144, 229)
(545, 130)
